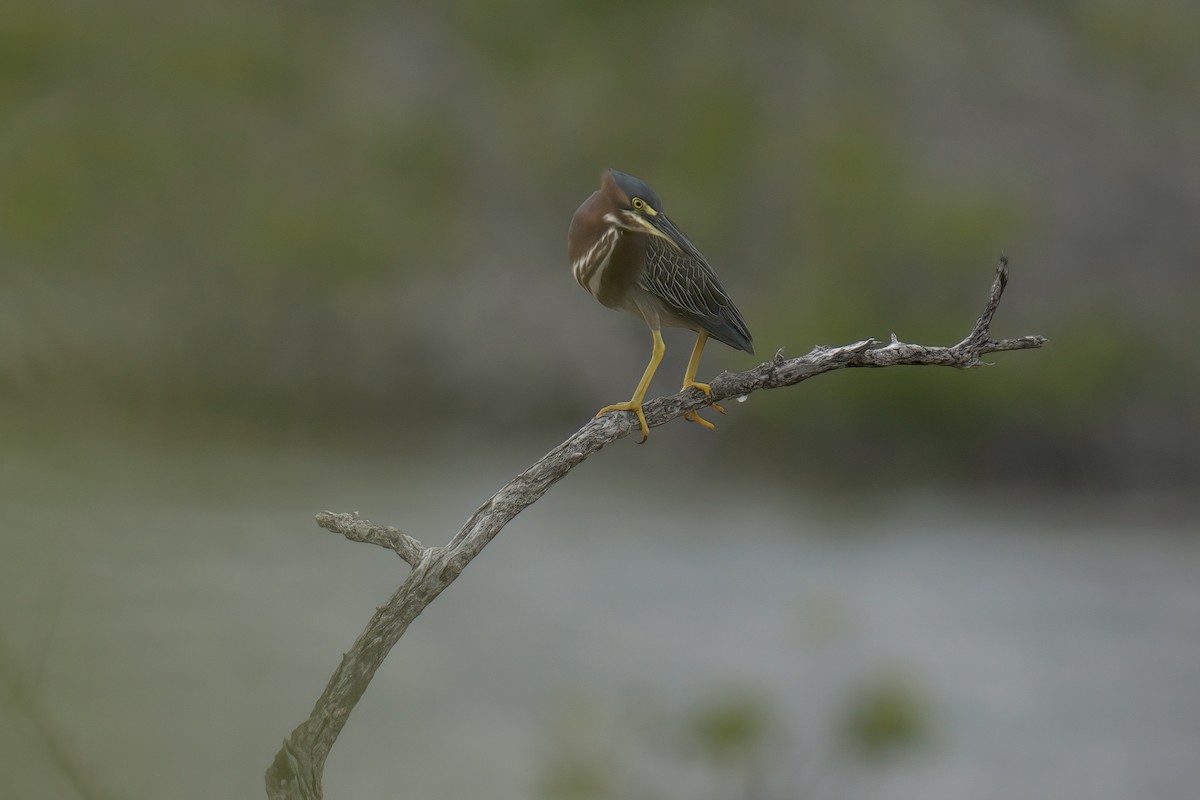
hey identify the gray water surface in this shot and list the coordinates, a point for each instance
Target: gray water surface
(166, 620)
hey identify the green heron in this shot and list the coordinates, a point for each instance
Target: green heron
(629, 255)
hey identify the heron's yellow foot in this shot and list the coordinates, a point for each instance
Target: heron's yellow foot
(692, 416)
(704, 387)
(636, 408)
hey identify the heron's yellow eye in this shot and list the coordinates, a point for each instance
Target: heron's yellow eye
(638, 203)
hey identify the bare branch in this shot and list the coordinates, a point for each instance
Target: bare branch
(360, 530)
(297, 769)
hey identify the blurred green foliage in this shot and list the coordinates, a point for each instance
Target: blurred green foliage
(735, 742)
(574, 779)
(305, 220)
(731, 728)
(888, 714)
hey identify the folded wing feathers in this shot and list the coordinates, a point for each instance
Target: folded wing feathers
(691, 287)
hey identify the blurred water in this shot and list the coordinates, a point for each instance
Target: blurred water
(165, 619)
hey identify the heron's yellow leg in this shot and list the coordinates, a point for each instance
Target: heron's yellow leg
(689, 380)
(635, 402)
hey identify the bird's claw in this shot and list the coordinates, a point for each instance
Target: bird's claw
(704, 387)
(636, 408)
(692, 416)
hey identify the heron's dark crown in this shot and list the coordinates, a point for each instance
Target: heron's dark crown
(635, 187)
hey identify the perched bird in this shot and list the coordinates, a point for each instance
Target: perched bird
(629, 255)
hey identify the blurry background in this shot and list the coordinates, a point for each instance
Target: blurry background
(258, 260)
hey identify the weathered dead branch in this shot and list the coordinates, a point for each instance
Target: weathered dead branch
(296, 772)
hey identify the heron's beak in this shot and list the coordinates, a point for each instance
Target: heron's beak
(660, 225)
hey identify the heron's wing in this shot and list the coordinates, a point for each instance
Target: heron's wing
(689, 287)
